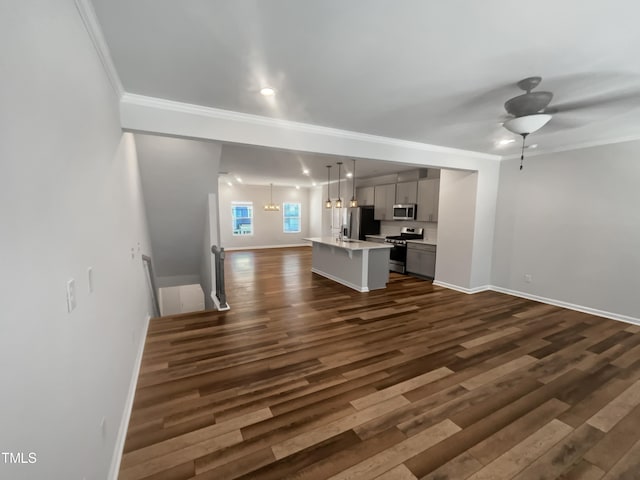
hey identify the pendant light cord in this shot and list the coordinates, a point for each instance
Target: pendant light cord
(524, 136)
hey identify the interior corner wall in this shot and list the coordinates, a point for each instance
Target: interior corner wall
(571, 220)
(267, 226)
(207, 262)
(316, 209)
(456, 227)
(70, 199)
(178, 174)
(484, 229)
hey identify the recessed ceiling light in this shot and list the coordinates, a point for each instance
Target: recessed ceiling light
(239, 179)
(506, 141)
(297, 187)
(305, 171)
(349, 175)
(535, 145)
(267, 91)
(314, 184)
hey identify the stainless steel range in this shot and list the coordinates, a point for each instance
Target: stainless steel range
(398, 254)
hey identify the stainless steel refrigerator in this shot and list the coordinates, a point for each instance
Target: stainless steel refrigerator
(361, 223)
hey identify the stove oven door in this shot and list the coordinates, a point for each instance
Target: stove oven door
(398, 258)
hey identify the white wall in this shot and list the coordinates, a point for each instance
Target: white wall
(456, 226)
(572, 221)
(182, 299)
(178, 175)
(316, 207)
(207, 261)
(70, 198)
(267, 226)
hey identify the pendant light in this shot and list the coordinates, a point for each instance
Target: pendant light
(354, 202)
(339, 201)
(327, 204)
(271, 207)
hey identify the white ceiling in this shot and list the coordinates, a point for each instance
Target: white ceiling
(425, 70)
(262, 166)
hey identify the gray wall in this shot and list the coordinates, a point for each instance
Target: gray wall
(572, 221)
(70, 199)
(177, 177)
(267, 227)
(456, 226)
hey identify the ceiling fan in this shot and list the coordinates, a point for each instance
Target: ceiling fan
(530, 111)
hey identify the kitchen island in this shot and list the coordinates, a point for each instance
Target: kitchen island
(360, 265)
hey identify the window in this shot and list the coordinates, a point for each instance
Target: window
(242, 218)
(291, 217)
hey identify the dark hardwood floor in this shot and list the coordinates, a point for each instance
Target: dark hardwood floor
(305, 378)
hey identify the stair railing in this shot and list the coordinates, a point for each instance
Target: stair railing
(220, 296)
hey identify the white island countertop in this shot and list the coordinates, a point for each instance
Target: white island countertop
(349, 244)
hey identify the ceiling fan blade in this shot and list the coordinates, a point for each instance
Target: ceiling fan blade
(564, 122)
(528, 103)
(628, 99)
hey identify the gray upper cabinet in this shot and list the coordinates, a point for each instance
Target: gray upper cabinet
(428, 200)
(407, 193)
(364, 195)
(384, 199)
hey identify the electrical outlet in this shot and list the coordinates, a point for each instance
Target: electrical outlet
(528, 277)
(90, 279)
(71, 295)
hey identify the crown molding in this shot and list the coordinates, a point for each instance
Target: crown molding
(574, 146)
(247, 118)
(91, 24)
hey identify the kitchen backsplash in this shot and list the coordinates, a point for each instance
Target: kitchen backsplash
(393, 228)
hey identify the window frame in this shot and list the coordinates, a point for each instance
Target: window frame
(251, 217)
(285, 217)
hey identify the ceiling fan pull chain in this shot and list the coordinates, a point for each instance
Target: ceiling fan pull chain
(524, 136)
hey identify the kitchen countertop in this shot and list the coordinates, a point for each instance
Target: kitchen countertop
(352, 245)
(423, 242)
(382, 237)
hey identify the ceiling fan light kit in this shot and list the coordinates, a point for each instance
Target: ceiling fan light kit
(527, 110)
(527, 124)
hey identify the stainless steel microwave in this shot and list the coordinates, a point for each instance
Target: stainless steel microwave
(404, 212)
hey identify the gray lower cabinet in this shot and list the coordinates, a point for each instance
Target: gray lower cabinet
(421, 259)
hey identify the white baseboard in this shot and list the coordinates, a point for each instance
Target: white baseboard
(340, 280)
(570, 306)
(216, 302)
(124, 423)
(260, 247)
(482, 288)
(537, 298)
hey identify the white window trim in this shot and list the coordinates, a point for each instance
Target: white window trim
(299, 217)
(252, 217)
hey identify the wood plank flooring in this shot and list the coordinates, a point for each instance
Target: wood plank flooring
(304, 378)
